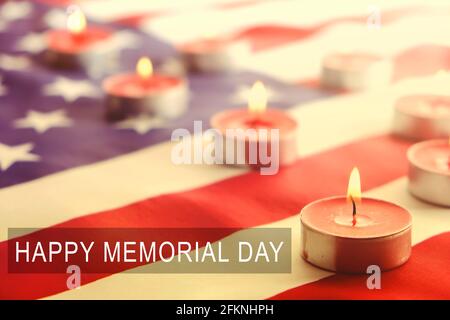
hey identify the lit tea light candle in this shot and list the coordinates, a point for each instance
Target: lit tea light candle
(348, 234)
(258, 116)
(75, 46)
(422, 117)
(213, 54)
(145, 92)
(355, 71)
(429, 171)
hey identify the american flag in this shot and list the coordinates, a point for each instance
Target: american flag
(63, 165)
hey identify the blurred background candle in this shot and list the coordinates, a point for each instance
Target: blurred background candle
(213, 54)
(145, 92)
(429, 171)
(422, 117)
(348, 234)
(76, 45)
(355, 71)
(258, 116)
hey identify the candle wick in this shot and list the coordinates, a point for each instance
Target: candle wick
(353, 205)
(354, 211)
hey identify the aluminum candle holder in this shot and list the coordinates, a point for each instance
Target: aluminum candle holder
(343, 247)
(355, 71)
(257, 116)
(213, 55)
(143, 92)
(350, 233)
(422, 117)
(79, 45)
(429, 171)
(169, 103)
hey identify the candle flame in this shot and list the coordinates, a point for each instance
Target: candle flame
(144, 68)
(257, 100)
(76, 22)
(354, 186)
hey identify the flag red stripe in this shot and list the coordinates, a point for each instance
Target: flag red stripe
(244, 201)
(425, 276)
(136, 19)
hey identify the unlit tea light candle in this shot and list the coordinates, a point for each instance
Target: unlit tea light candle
(348, 234)
(429, 171)
(213, 54)
(355, 71)
(257, 116)
(422, 117)
(76, 46)
(145, 92)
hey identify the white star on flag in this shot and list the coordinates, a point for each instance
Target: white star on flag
(9, 62)
(12, 154)
(13, 10)
(42, 121)
(32, 43)
(70, 90)
(142, 124)
(242, 93)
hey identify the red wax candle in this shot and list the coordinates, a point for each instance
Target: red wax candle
(429, 171)
(348, 234)
(144, 92)
(355, 71)
(257, 117)
(422, 117)
(75, 45)
(213, 54)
